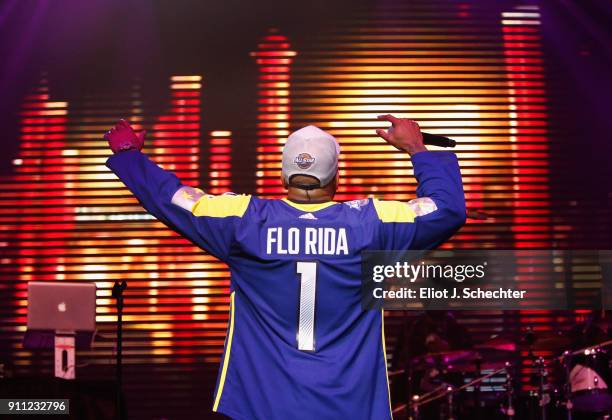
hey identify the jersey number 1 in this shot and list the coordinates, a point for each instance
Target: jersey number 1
(308, 287)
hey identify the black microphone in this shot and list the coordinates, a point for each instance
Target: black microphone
(436, 140)
(433, 139)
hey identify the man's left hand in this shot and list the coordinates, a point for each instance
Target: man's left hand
(404, 134)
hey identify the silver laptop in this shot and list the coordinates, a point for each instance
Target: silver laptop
(60, 307)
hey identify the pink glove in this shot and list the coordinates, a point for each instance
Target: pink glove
(123, 137)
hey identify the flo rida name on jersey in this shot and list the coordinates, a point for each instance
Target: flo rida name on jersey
(306, 241)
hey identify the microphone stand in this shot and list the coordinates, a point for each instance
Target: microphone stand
(117, 293)
(508, 411)
(567, 387)
(544, 397)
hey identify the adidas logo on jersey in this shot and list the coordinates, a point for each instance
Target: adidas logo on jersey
(308, 216)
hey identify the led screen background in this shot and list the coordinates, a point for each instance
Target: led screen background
(477, 72)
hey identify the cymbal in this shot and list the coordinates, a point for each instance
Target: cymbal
(464, 360)
(498, 342)
(441, 359)
(490, 358)
(549, 341)
(483, 359)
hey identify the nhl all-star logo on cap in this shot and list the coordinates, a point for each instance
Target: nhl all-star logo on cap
(313, 152)
(304, 160)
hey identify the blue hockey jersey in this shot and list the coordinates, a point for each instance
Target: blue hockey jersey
(299, 345)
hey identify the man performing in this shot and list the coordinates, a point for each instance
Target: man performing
(299, 345)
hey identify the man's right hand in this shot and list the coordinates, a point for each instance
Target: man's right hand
(404, 134)
(123, 137)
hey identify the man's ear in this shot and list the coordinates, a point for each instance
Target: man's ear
(284, 182)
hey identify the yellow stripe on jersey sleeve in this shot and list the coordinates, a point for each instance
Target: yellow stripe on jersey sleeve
(384, 346)
(221, 205)
(394, 211)
(228, 350)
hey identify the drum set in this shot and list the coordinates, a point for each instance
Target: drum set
(487, 381)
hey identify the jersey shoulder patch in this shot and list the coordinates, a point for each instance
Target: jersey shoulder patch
(186, 197)
(422, 206)
(357, 204)
(201, 204)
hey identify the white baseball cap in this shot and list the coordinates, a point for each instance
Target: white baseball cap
(311, 151)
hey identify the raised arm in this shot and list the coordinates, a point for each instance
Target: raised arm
(439, 209)
(208, 221)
